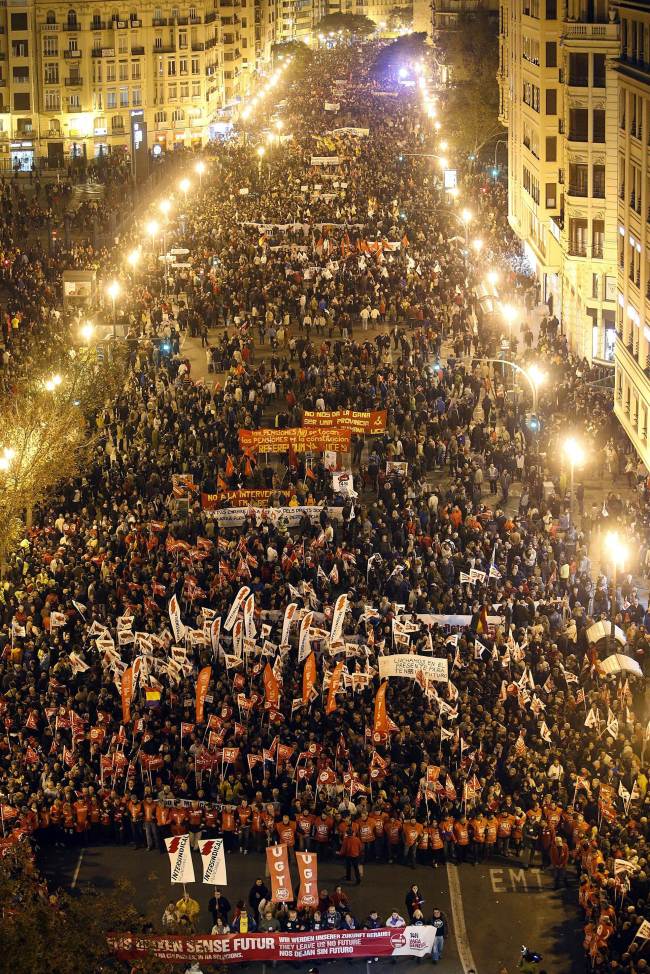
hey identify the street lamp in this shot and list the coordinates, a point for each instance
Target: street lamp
(509, 312)
(7, 457)
(261, 150)
(113, 291)
(477, 245)
(184, 186)
(199, 169)
(617, 552)
(536, 377)
(492, 278)
(575, 455)
(87, 331)
(165, 206)
(466, 216)
(132, 258)
(53, 382)
(152, 229)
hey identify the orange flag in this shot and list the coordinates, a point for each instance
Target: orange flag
(271, 687)
(382, 721)
(308, 677)
(230, 467)
(221, 483)
(202, 682)
(334, 687)
(127, 692)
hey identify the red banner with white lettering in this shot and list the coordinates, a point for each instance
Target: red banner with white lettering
(245, 948)
(308, 872)
(277, 858)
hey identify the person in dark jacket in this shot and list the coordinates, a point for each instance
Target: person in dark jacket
(258, 892)
(219, 906)
(414, 900)
(438, 921)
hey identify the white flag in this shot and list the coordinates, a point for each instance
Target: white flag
(249, 611)
(591, 720)
(238, 601)
(623, 792)
(644, 931)
(180, 858)
(289, 613)
(544, 732)
(175, 619)
(303, 641)
(340, 608)
(214, 862)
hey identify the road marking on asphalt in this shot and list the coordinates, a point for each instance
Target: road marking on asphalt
(458, 915)
(76, 872)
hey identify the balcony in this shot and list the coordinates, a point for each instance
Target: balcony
(210, 18)
(575, 31)
(159, 22)
(165, 49)
(579, 191)
(71, 55)
(76, 26)
(99, 25)
(198, 46)
(74, 82)
(51, 27)
(137, 51)
(195, 20)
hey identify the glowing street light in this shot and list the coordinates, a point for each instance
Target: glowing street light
(53, 382)
(113, 290)
(477, 245)
(575, 455)
(492, 278)
(617, 551)
(165, 206)
(133, 259)
(152, 229)
(7, 457)
(87, 332)
(184, 187)
(199, 169)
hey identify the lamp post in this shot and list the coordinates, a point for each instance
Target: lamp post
(617, 553)
(113, 291)
(184, 187)
(87, 332)
(575, 455)
(261, 150)
(152, 229)
(199, 169)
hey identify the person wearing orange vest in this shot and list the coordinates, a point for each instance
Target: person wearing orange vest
(411, 832)
(321, 832)
(134, 808)
(448, 838)
(478, 829)
(258, 829)
(81, 823)
(491, 827)
(228, 827)
(461, 835)
(149, 813)
(504, 831)
(436, 845)
(350, 851)
(195, 818)
(304, 822)
(163, 815)
(244, 815)
(393, 829)
(286, 832)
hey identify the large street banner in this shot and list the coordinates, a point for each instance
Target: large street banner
(357, 421)
(265, 947)
(408, 666)
(325, 160)
(236, 498)
(234, 517)
(299, 439)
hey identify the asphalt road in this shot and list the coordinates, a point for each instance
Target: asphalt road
(491, 909)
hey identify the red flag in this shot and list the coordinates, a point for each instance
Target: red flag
(271, 687)
(278, 865)
(333, 688)
(127, 692)
(382, 722)
(308, 678)
(202, 682)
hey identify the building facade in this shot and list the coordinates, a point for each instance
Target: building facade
(558, 98)
(89, 79)
(632, 350)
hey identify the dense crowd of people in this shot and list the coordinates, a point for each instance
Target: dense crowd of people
(317, 289)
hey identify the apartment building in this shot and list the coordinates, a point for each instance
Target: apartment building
(558, 98)
(297, 19)
(632, 349)
(92, 79)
